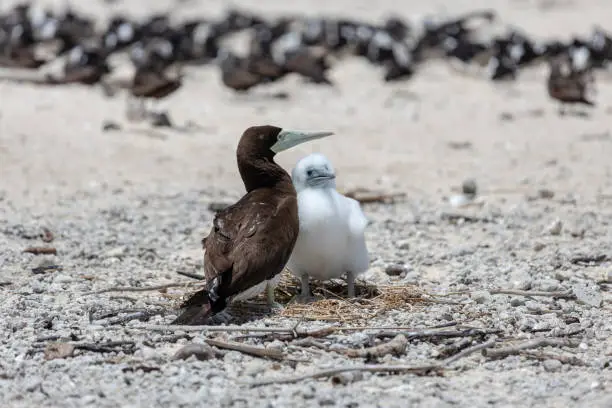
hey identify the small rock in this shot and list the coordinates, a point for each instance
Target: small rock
(573, 328)
(542, 326)
(109, 126)
(395, 269)
(481, 296)
(32, 384)
(276, 345)
(460, 200)
(469, 187)
(118, 252)
(533, 307)
(562, 276)
(254, 367)
(605, 276)
(538, 246)
(463, 250)
(347, 377)
(517, 301)
(88, 400)
(552, 365)
(148, 353)
(548, 285)
(358, 339)
(200, 351)
(405, 245)
(61, 278)
(37, 287)
(588, 295)
(546, 193)
(523, 284)
(411, 278)
(58, 350)
(555, 228)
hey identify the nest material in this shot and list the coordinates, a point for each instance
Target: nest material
(333, 305)
(331, 301)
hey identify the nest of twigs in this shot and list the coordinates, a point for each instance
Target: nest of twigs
(333, 305)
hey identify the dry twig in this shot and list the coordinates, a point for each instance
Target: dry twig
(178, 327)
(395, 347)
(368, 197)
(442, 334)
(41, 250)
(560, 295)
(454, 347)
(247, 349)
(310, 342)
(42, 269)
(364, 368)
(548, 356)
(531, 344)
(479, 347)
(62, 350)
(424, 369)
(139, 289)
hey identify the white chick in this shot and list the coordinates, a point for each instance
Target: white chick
(331, 239)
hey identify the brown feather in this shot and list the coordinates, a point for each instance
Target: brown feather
(568, 87)
(153, 84)
(21, 58)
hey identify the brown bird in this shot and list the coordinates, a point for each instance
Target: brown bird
(566, 85)
(236, 73)
(309, 65)
(21, 58)
(151, 82)
(251, 241)
(84, 65)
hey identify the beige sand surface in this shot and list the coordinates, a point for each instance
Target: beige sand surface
(51, 140)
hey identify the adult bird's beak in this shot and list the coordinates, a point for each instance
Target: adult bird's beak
(288, 139)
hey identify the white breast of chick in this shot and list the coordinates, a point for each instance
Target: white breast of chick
(331, 240)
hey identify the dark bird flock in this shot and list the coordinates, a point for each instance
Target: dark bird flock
(31, 37)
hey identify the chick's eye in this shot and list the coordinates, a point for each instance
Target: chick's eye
(309, 173)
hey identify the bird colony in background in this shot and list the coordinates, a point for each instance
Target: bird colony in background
(306, 46)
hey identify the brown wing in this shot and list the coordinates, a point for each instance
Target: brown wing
(84, 75)
(250, 242)
(310, 66)
(240, 79)
(147, 83)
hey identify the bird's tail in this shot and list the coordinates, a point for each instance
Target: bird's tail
(197, 309)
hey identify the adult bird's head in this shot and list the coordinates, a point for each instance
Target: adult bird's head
(257, 148)
(313, 171)
(267, 141)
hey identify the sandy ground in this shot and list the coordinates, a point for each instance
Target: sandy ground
(128, 209)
